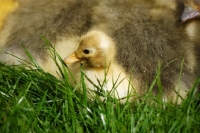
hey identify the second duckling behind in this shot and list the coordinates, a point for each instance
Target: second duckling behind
(150, 40)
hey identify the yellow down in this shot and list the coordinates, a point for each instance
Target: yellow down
(6, 7)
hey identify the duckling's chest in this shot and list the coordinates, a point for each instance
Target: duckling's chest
(95, 77)
(115, 81)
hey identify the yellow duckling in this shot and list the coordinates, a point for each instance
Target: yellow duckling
(96, 53)
(192, 10)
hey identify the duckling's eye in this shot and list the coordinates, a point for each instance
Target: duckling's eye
(86, 51)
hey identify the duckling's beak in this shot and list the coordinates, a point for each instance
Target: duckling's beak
(71, 59)
(188, 14)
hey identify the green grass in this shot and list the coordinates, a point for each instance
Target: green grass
(35, 101)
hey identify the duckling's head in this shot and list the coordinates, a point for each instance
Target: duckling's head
(192, 10)
(96, 49)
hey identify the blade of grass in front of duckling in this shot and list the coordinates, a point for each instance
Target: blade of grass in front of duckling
(115, 85)
(31, 58)
(54, 55)
(195, 89)
(158, 82)
(63, 69)
(64, 72)
(191, 97)
(83, 85)
(179, 83)
(99, 91)
(95, 93)
(22, 62)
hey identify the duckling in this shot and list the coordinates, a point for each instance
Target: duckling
(6, 7)
(60, 22)
(96, 54)
(150, 40)
(192, 10)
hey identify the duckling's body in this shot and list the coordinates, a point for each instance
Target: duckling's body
(61, 22)
(148, 35)
(96, 54)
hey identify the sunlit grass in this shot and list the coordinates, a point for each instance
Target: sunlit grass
(35, 101)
